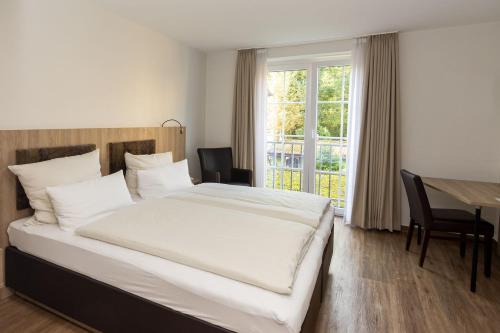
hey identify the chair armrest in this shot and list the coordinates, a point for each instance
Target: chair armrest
(241, 176)
(211, 176)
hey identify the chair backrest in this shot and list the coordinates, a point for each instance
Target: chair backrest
(420, 209)
(217, 159)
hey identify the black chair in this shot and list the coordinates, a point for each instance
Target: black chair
(217, 167)
(444, 220)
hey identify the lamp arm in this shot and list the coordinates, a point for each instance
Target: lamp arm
(166, 121)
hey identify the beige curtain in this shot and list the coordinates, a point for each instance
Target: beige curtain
(376, 198)
(243, 140)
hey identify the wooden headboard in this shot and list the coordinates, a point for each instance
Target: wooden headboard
(165, 138)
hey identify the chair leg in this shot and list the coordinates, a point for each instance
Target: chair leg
(410, 234)
(427, 236)
(488, 242)
(462, 245)
(419, 234)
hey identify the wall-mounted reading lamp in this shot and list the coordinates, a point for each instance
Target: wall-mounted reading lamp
(166, 121)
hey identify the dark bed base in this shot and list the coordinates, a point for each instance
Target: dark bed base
(109, 309)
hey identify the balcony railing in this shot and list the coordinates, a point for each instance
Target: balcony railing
(285, 161)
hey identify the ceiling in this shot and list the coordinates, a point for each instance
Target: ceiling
(229, 24)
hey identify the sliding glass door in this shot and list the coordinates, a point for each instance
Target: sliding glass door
(306, 128)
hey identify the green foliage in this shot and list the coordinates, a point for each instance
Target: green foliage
(333, 93)
(294, 119)
(324, 163)
(295, 82)
(290, 86)
(326, 185)
(330, 83)
(330, 120)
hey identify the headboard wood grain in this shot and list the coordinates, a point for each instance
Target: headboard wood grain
(166, 139)
(33, 155)
(117, 152)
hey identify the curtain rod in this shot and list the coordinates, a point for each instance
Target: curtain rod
(251, 48)
(319, 41)
(375, 34)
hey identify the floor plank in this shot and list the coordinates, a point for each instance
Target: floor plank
(374, 286)
(19, 315)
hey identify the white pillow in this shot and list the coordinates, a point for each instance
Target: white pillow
(85, 202)
(35, 177)
(156, 183)
(143, 162)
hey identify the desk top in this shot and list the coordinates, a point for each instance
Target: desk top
(479, 194)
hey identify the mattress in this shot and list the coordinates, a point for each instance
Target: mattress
(221, 301)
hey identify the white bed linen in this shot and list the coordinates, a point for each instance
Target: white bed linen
(224, 302)
(295, 206)
(200, 236)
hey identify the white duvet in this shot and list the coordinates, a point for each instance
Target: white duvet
(246, 234)
(260, 250)
(293, 206)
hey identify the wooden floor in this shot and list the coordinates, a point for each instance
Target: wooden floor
(375, 286)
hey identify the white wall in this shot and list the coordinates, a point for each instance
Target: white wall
(450, 105)
(74, 64)
(450, 102)
(221, 69)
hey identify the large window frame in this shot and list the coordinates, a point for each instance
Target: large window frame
(312, 65)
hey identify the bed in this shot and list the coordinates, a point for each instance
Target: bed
(113, 289)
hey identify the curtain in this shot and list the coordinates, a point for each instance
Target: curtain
(357, 97)
(260, 117)
(375, 201)
(243, 133)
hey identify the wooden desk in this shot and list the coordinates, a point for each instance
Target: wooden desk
(477, 194)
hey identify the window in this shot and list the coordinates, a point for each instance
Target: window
(308, 98)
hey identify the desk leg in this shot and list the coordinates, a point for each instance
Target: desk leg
(475, 250)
